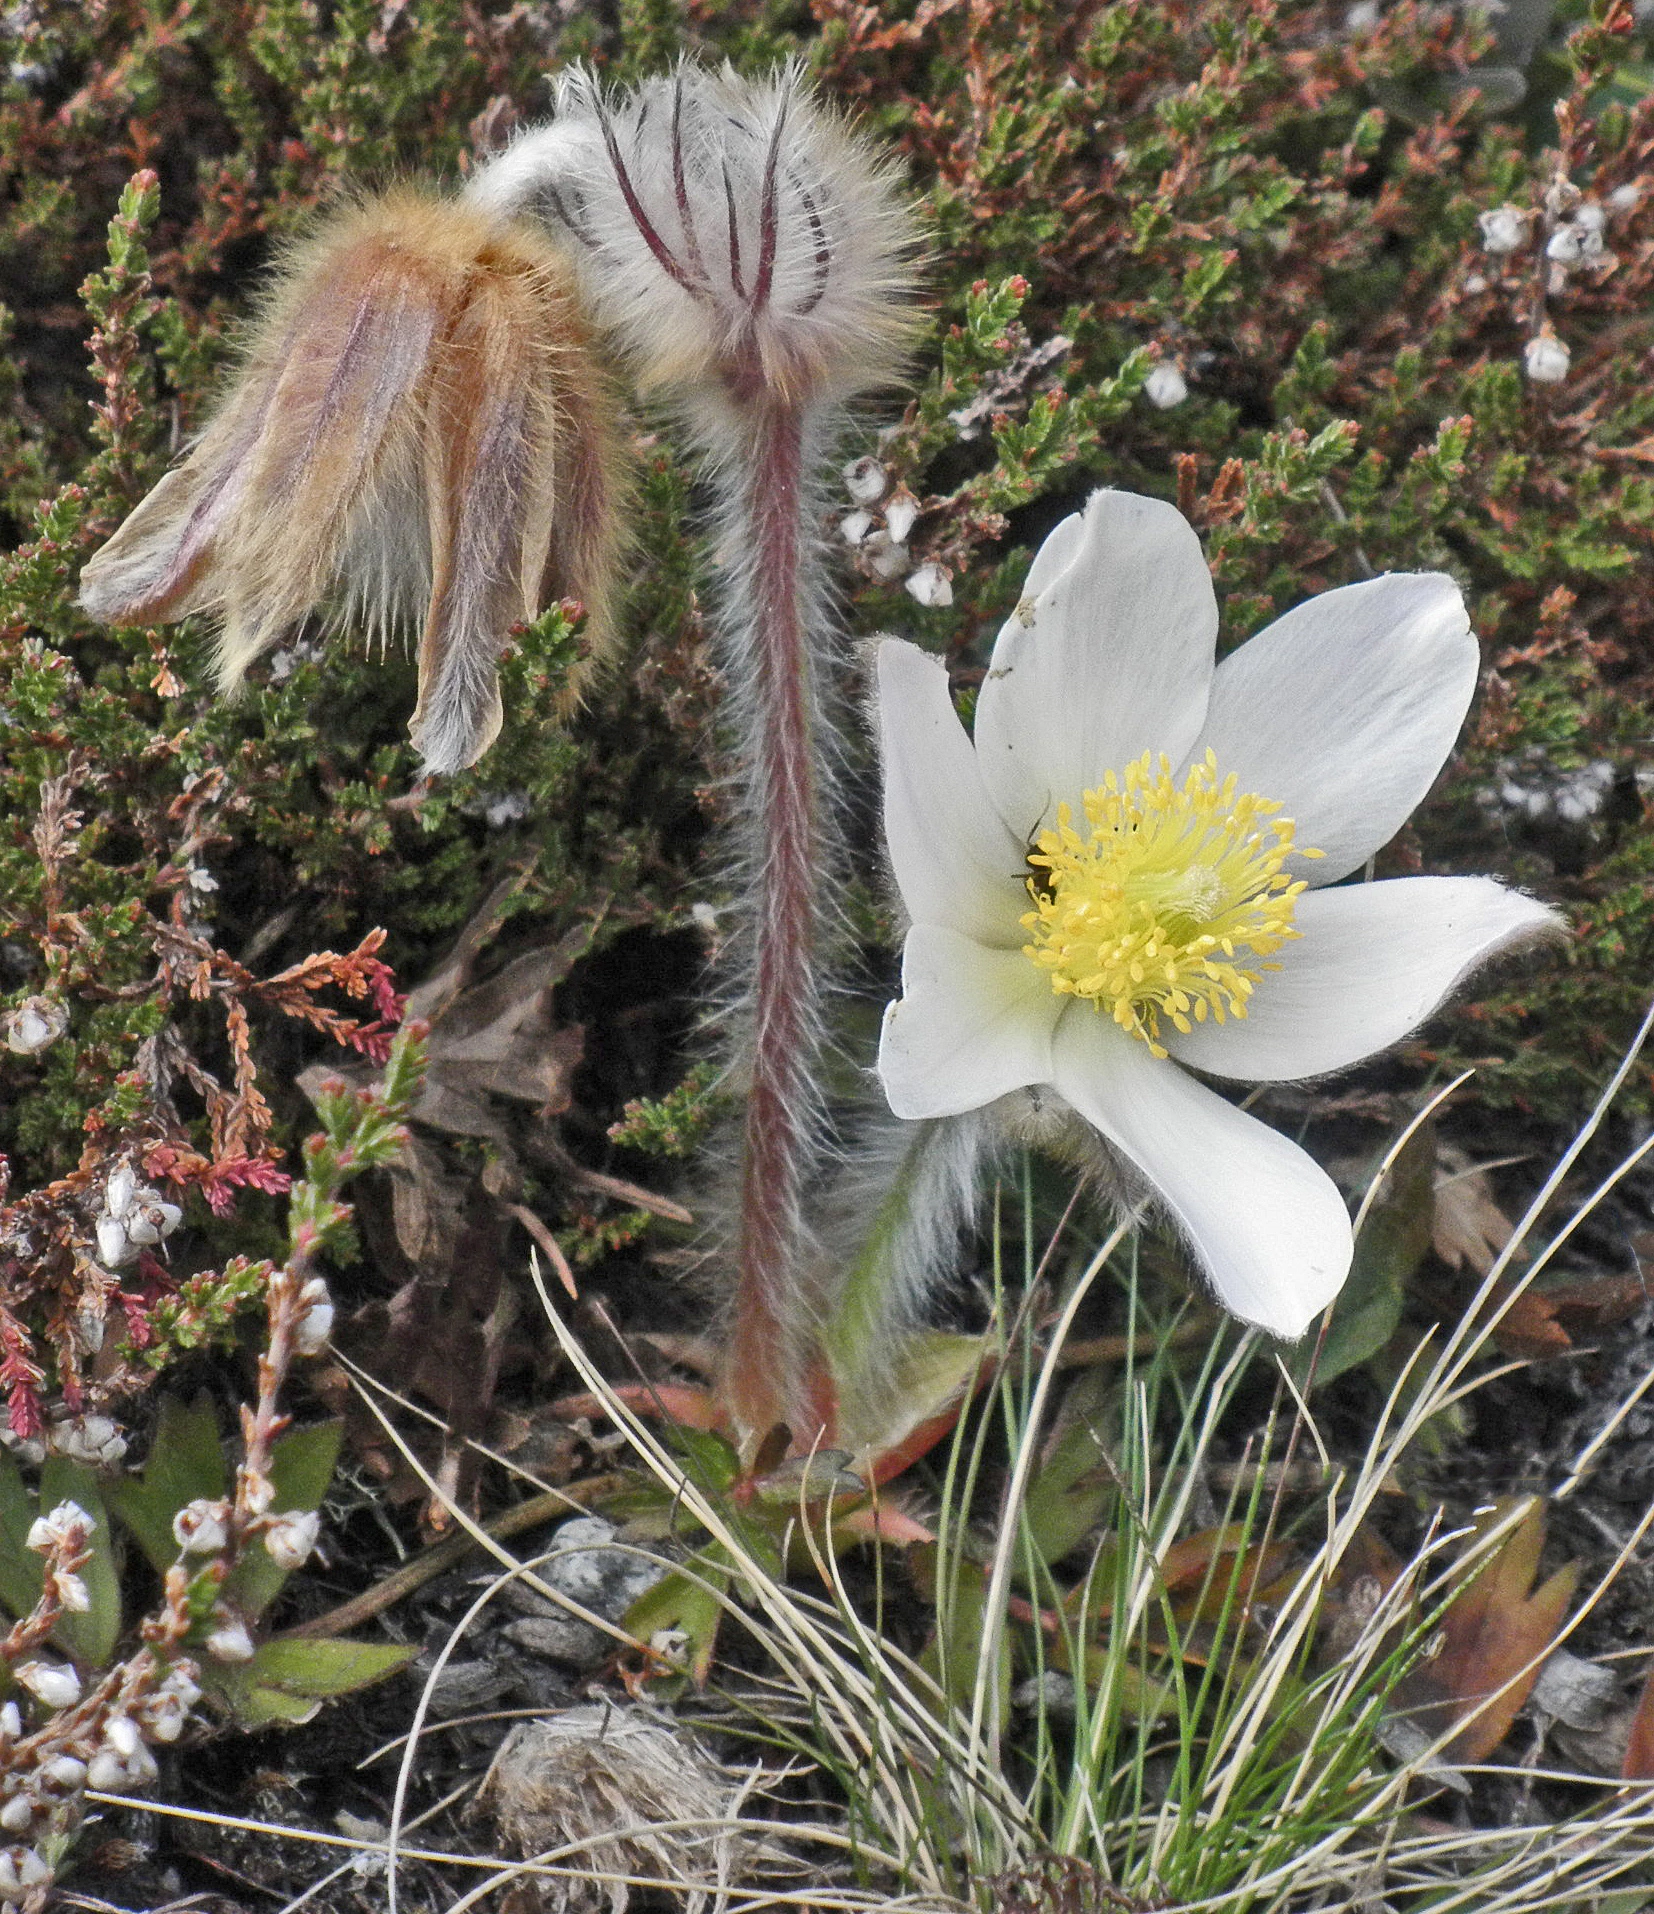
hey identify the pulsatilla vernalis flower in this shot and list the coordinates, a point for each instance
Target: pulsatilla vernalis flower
(740, 241)
(1130, 873)
(419, 436)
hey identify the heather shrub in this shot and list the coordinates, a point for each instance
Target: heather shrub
(1358, 294)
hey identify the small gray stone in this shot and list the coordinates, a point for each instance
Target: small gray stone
(1574, 1691)
(607, 1580)
(559, 1638)
(463, 1687)
(586, 1565)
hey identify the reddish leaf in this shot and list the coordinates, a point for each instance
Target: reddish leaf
(1494, 1638)
(1639, 1746)
(678, 1402)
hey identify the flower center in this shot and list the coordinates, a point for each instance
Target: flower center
(1147, 916)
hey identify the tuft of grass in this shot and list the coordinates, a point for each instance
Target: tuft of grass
(1148, 1698)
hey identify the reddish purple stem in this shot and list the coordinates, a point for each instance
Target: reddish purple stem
(771, 1378)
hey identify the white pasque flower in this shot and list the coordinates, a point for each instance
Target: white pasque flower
(1106, 884)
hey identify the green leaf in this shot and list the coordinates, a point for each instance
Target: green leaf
(1066, 1499)
(186, 1464)
(808, 1478)
(20, 1572)
(709, 1461)
(1391, 1246)
(690, 1599)
(951, 1655)
(925, 1377)
(288, 1680)
(89, 1637)
(301, 1467)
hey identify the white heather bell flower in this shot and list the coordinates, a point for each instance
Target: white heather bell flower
(72, 1593)
(67, 1523)
(1126, 876)
(54, 1683)
(95, 1440)
(865, 480)
(901, 512)
(929, 584)
(1165, 386)
(231, 1641)
(290, 1538)
(1504, 229)
(63, 1773)
(1546, 358)
(114, 1245)
(35, 1023)
(314, 1328)
(122, 1188)
(855, 526)
(22, 1869)
(202, 1527)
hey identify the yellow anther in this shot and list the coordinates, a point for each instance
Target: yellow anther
(1133, 916)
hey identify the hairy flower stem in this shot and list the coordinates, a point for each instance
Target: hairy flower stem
(775, 1373)
(751, 260)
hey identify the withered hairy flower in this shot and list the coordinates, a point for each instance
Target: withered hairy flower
(419, 433)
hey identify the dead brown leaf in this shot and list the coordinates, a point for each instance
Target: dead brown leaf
(439, 1226)
(1470, 1227)
(1545, 1322)
(1494, 1636)
(1492, 1641)
(1529, 1328)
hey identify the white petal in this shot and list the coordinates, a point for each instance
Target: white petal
(972, 1025)
(1264, 1221)
(955, 862)
(1344, 710)
(1108, 655)
(1373, 962)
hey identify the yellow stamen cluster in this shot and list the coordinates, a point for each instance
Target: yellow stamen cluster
(1145, 916)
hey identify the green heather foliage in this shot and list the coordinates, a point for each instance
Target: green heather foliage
(1285, 210)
